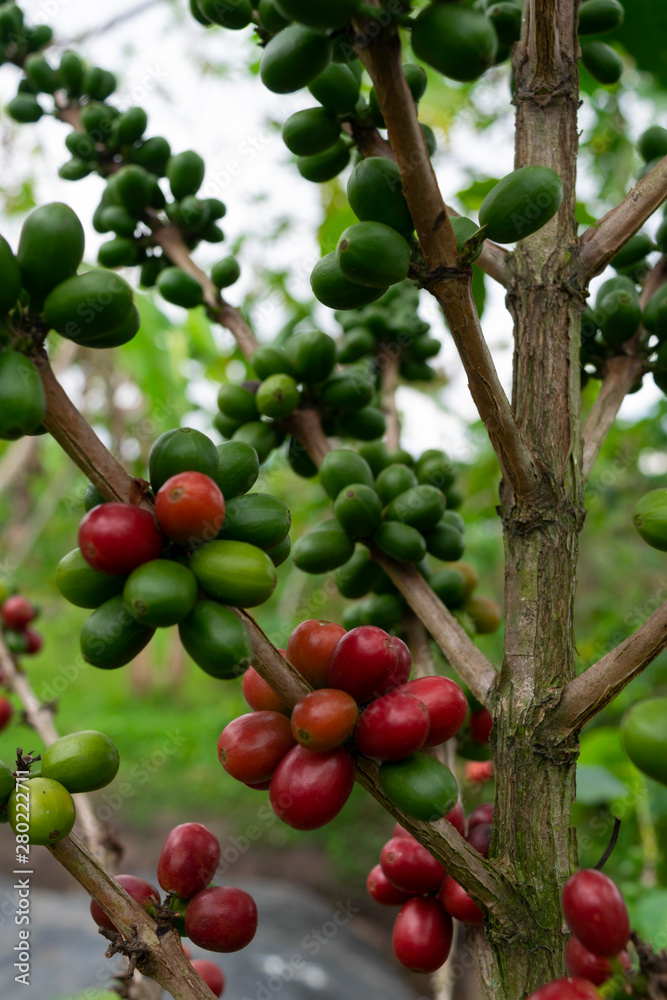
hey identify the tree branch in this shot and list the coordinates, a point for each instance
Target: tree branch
(621, 373)
(584, 697)
(40, 718)
(369, 142)
(307, 427)
(165, 961)
(78, 440)
(604, 239)
(450, 285)
(465, 658)
(220, 311)
(389, 365)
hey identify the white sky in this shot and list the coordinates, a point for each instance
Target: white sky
(224, 115)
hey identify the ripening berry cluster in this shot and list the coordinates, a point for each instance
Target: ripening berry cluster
(206, 544)
(216, 918)
(410, 877)
(363, 702)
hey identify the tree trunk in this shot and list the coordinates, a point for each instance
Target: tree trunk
(534, 842)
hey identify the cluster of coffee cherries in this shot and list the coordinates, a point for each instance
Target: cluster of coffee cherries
(595, 912)
(204, 545)
(363, 701)
(17, 614)
(216, 918)
(410, 877)
(39, 807)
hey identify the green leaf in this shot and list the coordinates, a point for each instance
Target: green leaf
(596, 785)
(649, 916)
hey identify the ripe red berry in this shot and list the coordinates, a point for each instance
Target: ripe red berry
(480, 838)
(251, 747)
(309, 648)
(401, 673)
(221, 918)
(393, 726)
(410, 867)
(117, 537)
(566, 989)
(190, 508)
(579, 961)
(324, 719)
(458, 903)
(481, 724)
(17, 612)
(363, 662)
(457, 818)
(211, 973)
(35, 641)
(142, 892)
(309, 789)
(6, 712)
(481, 814)
(478, 772)
(260, 695)
(422, 935)
(595, 911)
(445, 703)
(188, 859)
(382, 891)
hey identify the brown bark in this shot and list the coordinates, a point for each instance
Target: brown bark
(450, 285)
(161, 957)
(606, 237)
(533, 837)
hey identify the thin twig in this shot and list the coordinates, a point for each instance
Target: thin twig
(78, 440)
(40, 718)
(165, 959)
(620, 375)
(465, 658)
(604, 238)
(585, 696)
(102, 29)
(450, 285)
(389, 364)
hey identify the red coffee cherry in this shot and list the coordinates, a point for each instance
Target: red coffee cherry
(445, 703)
(481, 724)
(595, 911)
(480, 838)
(309, 648)
(221, 919)
(481, 814)
(363, 662)
(142, 892)
(392, 727)
(260, 696)
(324, 719)
(117, 537)
(458, 903)
(251, 747)
(382, 891)
(211, 973)
(422, 935)
(579, 961)
(190, 508)
(17, 612)
(188, 859)
(410, 867)
(566, 989)
(309, 789)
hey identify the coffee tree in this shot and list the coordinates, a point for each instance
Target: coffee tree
(191, 545)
